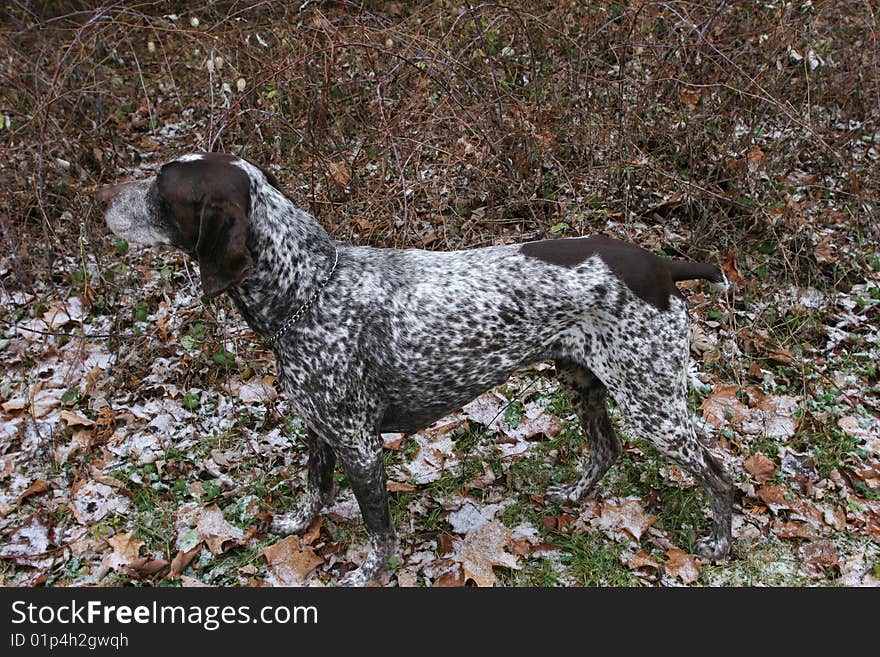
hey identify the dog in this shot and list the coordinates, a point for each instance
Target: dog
(371, 340)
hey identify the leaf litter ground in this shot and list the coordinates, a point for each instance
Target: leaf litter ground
(157, 458)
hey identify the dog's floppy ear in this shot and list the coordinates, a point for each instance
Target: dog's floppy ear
(224, 259)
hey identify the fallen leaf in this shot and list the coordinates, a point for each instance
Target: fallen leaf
(681, 565)
(793, 529)
(760, 467)
(754, 157)
(641, 559)
(45, 401)
(339, 171)
(74, 419)
(818, 558)
(290, 562)
(690, 98)
(393, 441)
(530, 428)
(192, 583)
(39, 486)
(258, 391)
(627, 516)
(755, 370)
(452, 578)
(92, 501)
(14, 404)
(146, 566)
(729, 267)
(126, 549)
(181, 560)
(722, 408)
(824, 252)
(779, 499)
(400, 487)
(218, 534)
(313, 531)
(774, 498)
(406, 579)
(483, 548)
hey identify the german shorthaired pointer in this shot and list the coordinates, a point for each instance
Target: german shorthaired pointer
(381, 340)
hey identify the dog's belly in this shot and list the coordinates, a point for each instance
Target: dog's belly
(406, 413)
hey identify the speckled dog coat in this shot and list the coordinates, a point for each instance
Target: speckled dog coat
(381, 340)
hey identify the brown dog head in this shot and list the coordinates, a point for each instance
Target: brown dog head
(199, 203)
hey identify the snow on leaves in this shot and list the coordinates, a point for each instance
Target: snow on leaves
(481, 549)
(772, 416)
(290, 561)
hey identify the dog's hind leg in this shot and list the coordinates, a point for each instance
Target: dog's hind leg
(677, 440)
(319, 492)
(646, 373)
(588, 396)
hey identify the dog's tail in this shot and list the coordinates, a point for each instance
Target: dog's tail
(685, 270)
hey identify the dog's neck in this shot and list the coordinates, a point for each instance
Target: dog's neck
(292, 255)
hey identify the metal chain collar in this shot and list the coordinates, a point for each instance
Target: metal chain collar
(303, 308)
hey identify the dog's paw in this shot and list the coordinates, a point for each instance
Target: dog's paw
(290, 523)
(562, 494)
(357, 577)
(382, 548)
(712, 548)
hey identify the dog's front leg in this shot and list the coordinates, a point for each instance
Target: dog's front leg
(319, 493)
(365, 470)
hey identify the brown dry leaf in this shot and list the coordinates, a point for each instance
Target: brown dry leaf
(690, 98)
(779, 499)
(313, 531)
(824, 252)
(544, 424)
(39, 486)
(75, 419)
(755, 156)
(339, 171)
(91, 501)
(641, 559)
(14, 404)
(755, 370)
(193, 583)
(452, 578)
(722, 408)
(483, 548)
(835, 518)
(626, 515)
(793, 529)
(46, 401)
(729, 267)
(774, 498)
(818, 557)
(681, 565)
(181, 560)
(290, 562)
(760, 467)
(146, 566)
(258, 390)
(400, 487)
(218, 534)
(406, 579)
(772, 415)
(126, 549)
(393, 441)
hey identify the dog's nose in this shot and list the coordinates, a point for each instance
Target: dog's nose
(104, 195)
